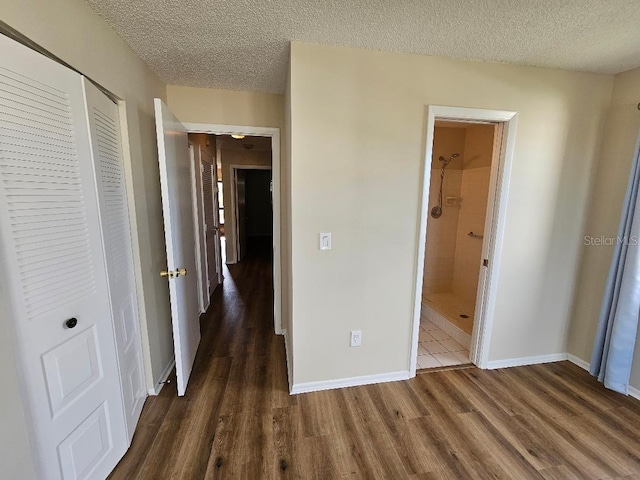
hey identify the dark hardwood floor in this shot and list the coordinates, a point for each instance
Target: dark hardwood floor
(238, 421)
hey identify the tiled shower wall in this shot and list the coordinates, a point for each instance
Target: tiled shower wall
(471, 217)
(474, 192)
(440, 249)
(452, 258)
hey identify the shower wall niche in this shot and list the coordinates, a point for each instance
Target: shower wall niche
(453, 257)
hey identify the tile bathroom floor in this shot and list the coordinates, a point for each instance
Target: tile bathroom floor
(451, 306)
(436, 348)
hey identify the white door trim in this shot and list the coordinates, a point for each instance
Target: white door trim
(498, 197)
(274, 133)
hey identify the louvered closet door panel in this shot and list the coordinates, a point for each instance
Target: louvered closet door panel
(210, 209)
(200, 227)
(106, 146)
(54, 277)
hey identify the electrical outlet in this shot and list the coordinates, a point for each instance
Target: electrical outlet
(356, 338)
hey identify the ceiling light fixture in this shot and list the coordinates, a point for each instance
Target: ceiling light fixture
(237, 137)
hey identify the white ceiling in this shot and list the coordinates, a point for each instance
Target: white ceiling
(243, 44)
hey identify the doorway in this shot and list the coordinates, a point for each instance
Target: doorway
(260, 139)
(253, 207)
(206, 218)
(465, 185)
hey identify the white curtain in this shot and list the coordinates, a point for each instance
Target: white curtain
(612, 356)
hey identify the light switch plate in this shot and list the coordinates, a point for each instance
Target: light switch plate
(325, 241)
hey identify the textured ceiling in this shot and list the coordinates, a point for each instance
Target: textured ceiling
(243, 44)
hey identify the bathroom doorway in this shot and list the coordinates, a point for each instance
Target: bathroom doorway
(463, 201)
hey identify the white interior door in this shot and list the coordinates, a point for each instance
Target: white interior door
(212, 220)
(200, 226)
(54, 277)
(106, 145)
(177, 209)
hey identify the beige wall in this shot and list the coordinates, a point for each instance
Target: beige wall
(205, 142)
(226, 107)
(474, 192)
(440, 249)
(73, 32)
(623, 125)
(229, 158)
(371, 107)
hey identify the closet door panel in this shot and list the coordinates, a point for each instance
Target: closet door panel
(195, 153)
(212, 233)
(54, 278)
(106, 145)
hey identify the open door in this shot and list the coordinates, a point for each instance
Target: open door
(177, 209)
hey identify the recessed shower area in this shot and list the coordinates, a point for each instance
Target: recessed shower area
(461, 170)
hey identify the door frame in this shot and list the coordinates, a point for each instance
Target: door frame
(234, 200)
(494, 223)
(274, 134)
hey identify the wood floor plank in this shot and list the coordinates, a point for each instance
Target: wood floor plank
(500, 423)
(238, 421)
(581, 462)
(560, 472)
(200, 421)
(377, 459)
(286, 441)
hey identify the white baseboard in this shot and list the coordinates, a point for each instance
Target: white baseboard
(163, 378)
(349, 382)
(578, 361)
(518, 362)
(633, 392)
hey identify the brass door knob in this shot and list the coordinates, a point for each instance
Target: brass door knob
(174, 273)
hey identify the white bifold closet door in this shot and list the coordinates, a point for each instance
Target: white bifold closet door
(54, 275)
(212, 220)
(106, 145)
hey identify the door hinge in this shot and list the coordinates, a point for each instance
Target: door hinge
(201, 168)
(485, 262)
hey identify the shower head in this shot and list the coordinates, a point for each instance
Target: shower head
(436, 211)
(445, 161)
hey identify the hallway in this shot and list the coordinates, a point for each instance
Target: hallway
(239, 379)
(237, 420)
